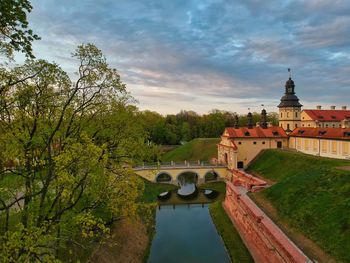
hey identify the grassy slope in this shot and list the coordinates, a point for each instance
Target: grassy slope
(311, 195)
(198, 149)
(147, 211)
(233, 242)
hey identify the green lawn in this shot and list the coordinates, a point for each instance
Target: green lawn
(233, 242)
(311, 195)
(198, 149)
(152, 190)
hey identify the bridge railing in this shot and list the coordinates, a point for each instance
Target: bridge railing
(172, 164)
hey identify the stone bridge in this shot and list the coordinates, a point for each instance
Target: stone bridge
(170, 172)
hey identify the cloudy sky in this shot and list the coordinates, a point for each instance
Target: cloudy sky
(204, 54)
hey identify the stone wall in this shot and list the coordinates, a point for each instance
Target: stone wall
(266, 242)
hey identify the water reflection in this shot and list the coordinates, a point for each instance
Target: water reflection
(186, 234)
(188, 193)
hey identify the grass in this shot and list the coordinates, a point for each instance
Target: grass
(198, 149)
(152, 190)
(311, 195)
(233, 242)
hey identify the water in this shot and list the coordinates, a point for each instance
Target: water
(186, 234)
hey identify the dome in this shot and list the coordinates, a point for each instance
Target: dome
(289, 98)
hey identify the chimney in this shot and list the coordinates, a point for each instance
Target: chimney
(236, 122)
(332, 107)
(250, 120)
(318, 107)
(269, 124)
(343, 107)
(263, 119)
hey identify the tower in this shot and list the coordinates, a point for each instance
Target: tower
(289, 107)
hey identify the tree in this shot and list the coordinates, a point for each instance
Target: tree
(14, 32)
(71, 142)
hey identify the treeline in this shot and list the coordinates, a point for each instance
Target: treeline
(175, 129)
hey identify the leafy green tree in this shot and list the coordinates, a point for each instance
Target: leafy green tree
(71, 142)
(15, 34)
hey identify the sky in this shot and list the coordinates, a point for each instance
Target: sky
(207, 54)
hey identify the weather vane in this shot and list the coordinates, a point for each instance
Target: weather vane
(290, 73)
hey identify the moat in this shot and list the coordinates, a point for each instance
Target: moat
(184, 228)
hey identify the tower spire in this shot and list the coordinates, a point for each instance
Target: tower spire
(290, 73)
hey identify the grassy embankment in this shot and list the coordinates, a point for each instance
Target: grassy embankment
(131, 240)
(311, 197)
(202, 149)
(233, 242)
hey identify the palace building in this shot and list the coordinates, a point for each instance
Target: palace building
(240, 145)
(312, 131)
(326, 118)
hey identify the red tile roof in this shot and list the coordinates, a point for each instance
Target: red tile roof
(256, 132)
(328, 133)
(328, 115)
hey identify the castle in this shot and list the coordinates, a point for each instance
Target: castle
(317, 131)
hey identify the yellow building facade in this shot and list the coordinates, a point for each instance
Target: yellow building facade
(331, 118)
(240, 145)
(325, 142)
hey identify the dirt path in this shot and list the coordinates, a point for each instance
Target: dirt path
(128, 243)
(305, 244)
(345, 168)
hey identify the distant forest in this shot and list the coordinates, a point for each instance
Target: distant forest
(187, 125)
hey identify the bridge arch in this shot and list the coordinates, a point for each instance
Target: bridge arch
(163, 177)
(196, 175)
(211, 176)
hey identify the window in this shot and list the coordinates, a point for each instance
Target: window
(254, 142)
(287, 114)
(326, 125)
(324, 146)
(263, 142)
(296, 125)
(334, 147)
(296, 115)
(308, 125)
(315, 148)
(288, 126)
(345, 146)
(281, 115)
(333, 125)
(239, 142)
(306, 144)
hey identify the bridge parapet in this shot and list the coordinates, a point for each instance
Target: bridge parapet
(174, 169)
(177, 165)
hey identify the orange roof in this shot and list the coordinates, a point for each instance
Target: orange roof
(328, 133)
(328, 115)
(256, 132)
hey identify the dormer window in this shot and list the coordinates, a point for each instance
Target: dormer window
(346, 134)
(247, 133)
(275, 133)
(301, 131)
(320, 133)
(333, 117)
(320, 117)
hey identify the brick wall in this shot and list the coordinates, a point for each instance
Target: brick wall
(266, 242)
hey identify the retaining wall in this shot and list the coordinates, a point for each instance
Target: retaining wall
(264, 239)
